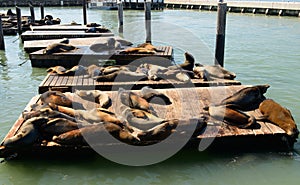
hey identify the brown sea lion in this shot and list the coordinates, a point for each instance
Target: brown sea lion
(214, 72)
(231, 116)
(154, 96)
(57, 98)
(60, 70)
(280, 116)
(121, 75)
(58, 126)
(145, 48)
(58, 47)
(135, 101)
(247, 98)
(96, 96)
(188, 63)
(27, 134)
(76, 71)
(159, 132)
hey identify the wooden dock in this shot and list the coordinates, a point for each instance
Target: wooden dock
(187, 104)
(255, 7)
(86, 56)
(44, 35)
(61, 27)
(35, 45)
(70, 83)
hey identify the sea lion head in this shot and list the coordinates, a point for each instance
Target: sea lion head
(263, 88)
(57, 98)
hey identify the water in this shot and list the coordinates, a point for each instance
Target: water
(260, 49)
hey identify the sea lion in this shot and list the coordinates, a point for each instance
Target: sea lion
(153, 96)
(188, 63)
(214, 72)
(76, 71)
(27, 134)
(60, 70)
(145, 48)
(93, 70)
(93, 135)
(96, 96)
(57, 98)
(106, 45)
(133, 100)
(121, 75)
(58, 126)
(58, 47)
(159, 132)
(231, 116)
(280, 116)
(247, 98)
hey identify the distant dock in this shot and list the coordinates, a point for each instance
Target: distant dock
(255, 7)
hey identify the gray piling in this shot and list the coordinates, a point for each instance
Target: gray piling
(32, 13)
(2, 45)
(147, 7)
(120, 15)
(19, 21)
(42, 11)
(220, 37)
(84, 12)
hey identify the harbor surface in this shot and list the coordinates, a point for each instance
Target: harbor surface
(265, 50)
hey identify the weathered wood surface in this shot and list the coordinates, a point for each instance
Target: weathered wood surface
(35, 45)
(188, 103)
(60, 27)
(44, 35)
(85, 56)
(69, 83)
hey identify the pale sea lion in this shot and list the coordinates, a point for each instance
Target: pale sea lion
(60, 70)
(232, 117)
(76, 71)
(247, 98)
(93, 70)
(58, 47)
(280, 116)
(96, 96)
(27, 134)
(145, 48)
(208, 72)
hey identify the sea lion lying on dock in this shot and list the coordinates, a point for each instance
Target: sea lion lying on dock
(57, 48)
(96, 96)
(135, 101)
(59, 98)
(214, 72)
(153, 96)
(27, 134)
(280, 116)
(231, 116)
(188, 63)
(145, 48)
(247, 98)
(58, 126)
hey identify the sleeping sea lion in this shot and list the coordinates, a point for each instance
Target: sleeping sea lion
(280, 116)
(153, 96)
(58, 47)
(247, 98)
(145, 48)
(96, 96)
(133, 100)
(93, 70)
(231, 116)
(122, 75)
(213, 72)
(27, 134)
(60, 70)
(76, 71)
(56, 97)
(58, 126)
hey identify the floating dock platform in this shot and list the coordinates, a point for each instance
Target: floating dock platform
(187, 104)
(85, 56)
(255, 7)
(70, 83)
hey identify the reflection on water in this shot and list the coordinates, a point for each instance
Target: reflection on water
(259, 49)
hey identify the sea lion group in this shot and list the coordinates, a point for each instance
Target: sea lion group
(55, 120)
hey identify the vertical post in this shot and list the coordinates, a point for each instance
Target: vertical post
(220, 37)
(84, 12)
(120, 15)
(42, 11)
(19, 22)
(147, 6)
(2, 45)
(32, 13)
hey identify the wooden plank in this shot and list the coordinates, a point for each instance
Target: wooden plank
(53, 82)
(49, 79)
(274, 129)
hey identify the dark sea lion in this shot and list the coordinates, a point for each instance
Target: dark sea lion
(212, 72)
(64, 40)
(121, 75)
(135, 101)
(92, 24)
(60, 70)
(280, 116)
(58, 47)
(27, 134)
(58, 126)
(188, 63)
(57, 98)
(231, 116)
(159, 132)
(76, 71)
(247, 98)
(96, 96)
(153, 96)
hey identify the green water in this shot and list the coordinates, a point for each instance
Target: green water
(260, 49)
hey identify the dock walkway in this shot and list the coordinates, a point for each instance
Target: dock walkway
(259, 7)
